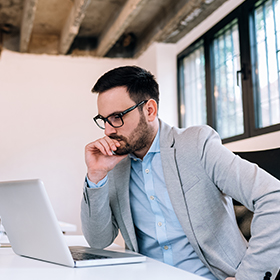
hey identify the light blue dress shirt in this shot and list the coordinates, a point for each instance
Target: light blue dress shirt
(159, 233)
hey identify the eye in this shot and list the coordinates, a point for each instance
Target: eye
(116, 117)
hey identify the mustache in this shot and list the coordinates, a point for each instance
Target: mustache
(117, 137)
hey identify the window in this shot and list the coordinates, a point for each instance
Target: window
(193, 109)
(265, 47)
(227, 94)
(230, 77)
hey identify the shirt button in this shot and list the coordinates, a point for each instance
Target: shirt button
(165, 247)
(152, 197)
(159, 224)
(147, 170)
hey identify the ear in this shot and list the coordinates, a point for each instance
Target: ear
(151, 110)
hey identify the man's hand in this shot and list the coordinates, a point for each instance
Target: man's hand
(100, 158)
(230, 278)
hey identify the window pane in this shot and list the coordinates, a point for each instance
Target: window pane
(227, 94)
(194, 108)
(265, 58)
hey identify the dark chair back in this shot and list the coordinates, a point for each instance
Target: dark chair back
(269, 160)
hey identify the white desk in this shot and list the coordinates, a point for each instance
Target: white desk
(13, 267)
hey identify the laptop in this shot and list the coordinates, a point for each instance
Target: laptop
(34, 232)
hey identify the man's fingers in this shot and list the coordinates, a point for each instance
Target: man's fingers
(113, 143)
(105, 145)
(99, 147)
(109, 145)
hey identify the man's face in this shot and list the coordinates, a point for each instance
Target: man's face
(135, 135)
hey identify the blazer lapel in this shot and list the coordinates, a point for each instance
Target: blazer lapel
(121, 182)
(174, 185)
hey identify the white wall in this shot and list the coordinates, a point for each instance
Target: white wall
(160, 60)
(46, 111)
(262, 142)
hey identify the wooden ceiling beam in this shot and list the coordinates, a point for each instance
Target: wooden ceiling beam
(72, 25)
(118, 27)
(164, 24)
(29, 10)
(192, 20)
(179, 19)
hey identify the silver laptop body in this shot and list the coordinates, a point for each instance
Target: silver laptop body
(33, 230)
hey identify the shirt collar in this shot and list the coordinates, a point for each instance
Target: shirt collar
(155, 145)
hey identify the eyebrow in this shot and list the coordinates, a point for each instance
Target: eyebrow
(115, 113)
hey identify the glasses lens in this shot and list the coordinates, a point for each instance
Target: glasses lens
(100, 123)
(115, 120)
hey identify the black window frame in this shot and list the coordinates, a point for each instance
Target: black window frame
(243, 13)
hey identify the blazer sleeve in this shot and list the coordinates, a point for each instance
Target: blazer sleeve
(255, 189)
(98, 223)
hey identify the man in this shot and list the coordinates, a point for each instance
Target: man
(169, 190)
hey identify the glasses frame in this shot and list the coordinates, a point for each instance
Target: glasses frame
(120, 115)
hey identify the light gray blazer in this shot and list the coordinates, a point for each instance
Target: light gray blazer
(201, 175)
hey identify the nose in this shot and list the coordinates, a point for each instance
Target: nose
(109, 129)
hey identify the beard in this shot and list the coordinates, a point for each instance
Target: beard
(139, 138)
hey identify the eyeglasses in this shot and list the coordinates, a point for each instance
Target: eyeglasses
(115, 119)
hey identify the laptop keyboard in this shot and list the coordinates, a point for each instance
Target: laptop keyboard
(79, 256)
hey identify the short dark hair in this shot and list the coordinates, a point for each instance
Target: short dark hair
(140, 83)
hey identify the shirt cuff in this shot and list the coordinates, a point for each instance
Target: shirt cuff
(100, 184)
